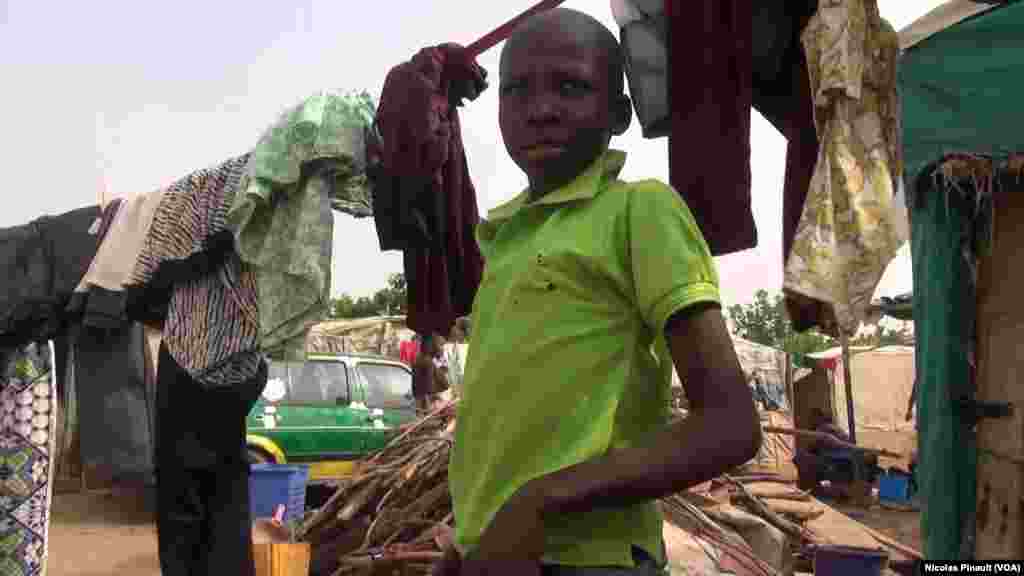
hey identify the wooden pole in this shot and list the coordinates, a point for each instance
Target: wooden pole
(790, 385)
(829, 438)
(848, 381)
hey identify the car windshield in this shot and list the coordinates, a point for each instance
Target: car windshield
(387, 385)
(312, 382)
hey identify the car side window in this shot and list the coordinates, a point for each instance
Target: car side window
(306, 386)
(334, 381)
(386, 385)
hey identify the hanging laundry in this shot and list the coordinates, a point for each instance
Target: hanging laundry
(204, 526)
(644, 38)
(115, 408)
(424, 200)
(99, 299)
(188, 278)
(846, 237)
(282, 219)
(710, 73)
(41, 263)
(27, 426)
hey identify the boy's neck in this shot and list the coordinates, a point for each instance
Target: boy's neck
(542, 186)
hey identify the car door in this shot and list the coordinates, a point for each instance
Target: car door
(278, 420)
(346, 440)
(389, 398)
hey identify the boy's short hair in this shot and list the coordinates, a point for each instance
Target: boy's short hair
(605, 38)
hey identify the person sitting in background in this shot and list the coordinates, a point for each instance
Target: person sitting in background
(812, 461)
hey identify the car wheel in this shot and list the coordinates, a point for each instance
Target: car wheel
(257, 456)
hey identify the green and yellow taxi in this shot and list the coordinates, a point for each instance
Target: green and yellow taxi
(329, 411)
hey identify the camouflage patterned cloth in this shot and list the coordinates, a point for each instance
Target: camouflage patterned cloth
(846, 236)
(310, 161)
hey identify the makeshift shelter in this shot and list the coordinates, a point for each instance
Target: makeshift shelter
(883, 380)
(960, 80)
(378, 335)
(765, 368)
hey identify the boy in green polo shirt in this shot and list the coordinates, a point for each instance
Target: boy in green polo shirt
(563, 441)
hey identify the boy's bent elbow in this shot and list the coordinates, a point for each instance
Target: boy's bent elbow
(741, 431)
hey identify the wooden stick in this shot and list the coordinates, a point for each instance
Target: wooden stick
(762, 510)
(413, 428)
(505, 30)
(391, 557)
(882, 538)
(831, 439)
(851, 423)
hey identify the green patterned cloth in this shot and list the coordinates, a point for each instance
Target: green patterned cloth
(310, 161)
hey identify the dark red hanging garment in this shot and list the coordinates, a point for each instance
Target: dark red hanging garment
(710, 86)
(424, 200)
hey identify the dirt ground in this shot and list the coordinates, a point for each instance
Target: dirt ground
(902, 526)
(96, 534)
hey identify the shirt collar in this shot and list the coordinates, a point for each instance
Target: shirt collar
(585, 186)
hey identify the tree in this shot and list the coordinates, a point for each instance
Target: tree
(882, 336)
(389, 300)
(765, 321)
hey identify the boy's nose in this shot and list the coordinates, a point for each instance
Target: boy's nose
(543, 110)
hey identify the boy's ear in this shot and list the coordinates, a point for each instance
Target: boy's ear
(622, 115)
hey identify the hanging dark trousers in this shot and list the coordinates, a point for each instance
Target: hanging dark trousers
(203, 519)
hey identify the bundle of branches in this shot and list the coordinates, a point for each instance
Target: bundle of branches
(393, 514)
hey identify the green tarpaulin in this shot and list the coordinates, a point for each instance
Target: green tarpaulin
(963, 89)
(943, 306)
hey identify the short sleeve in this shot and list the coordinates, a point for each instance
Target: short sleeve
(669, 259)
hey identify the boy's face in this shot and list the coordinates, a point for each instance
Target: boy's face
(556, 103)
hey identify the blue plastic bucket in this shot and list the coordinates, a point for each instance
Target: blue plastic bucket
(849, 561)
(271, 485)
(894, 487)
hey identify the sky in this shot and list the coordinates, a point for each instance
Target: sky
(127, 97)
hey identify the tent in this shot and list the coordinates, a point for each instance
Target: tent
(961, 81)
(883, 381)
(378, 335)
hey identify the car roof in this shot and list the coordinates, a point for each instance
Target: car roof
(376, 358)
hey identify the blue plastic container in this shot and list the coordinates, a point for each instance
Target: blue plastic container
(849, 561)
(894, 486)
(271, 485)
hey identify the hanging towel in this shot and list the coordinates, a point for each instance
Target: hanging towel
(424, 200)
(710, 86)
(99, 300)
(643, 33)
(846, 236)
(282, 220)
(41, 263)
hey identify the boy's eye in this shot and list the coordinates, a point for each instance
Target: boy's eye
(573, 87)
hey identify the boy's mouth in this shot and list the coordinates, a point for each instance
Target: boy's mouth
(542, 151)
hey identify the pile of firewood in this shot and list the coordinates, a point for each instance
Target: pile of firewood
(394, 513)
